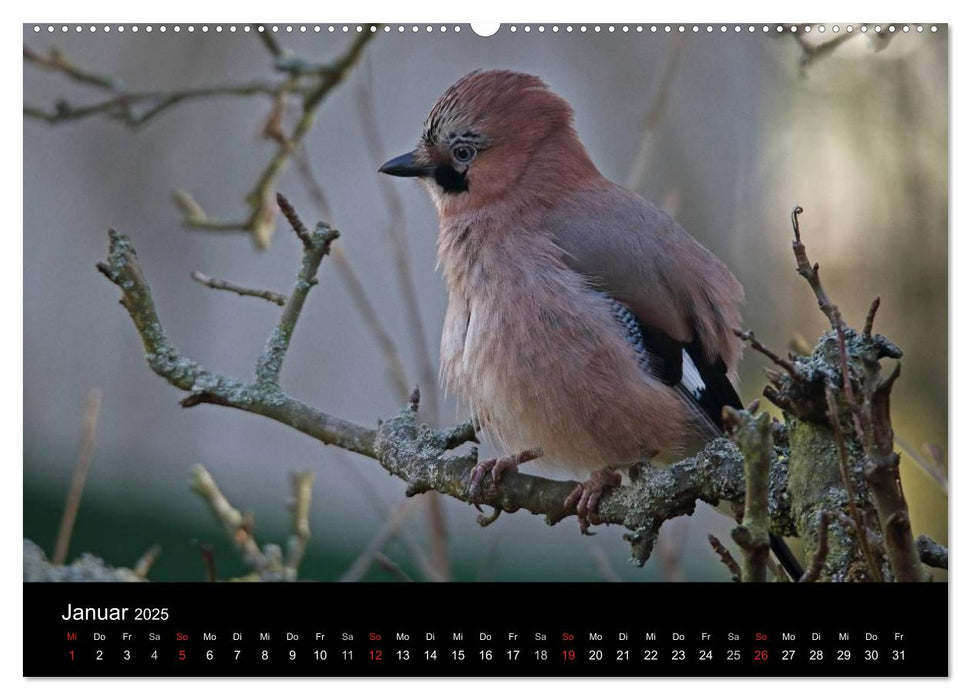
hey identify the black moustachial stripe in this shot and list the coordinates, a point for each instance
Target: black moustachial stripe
(450, 179)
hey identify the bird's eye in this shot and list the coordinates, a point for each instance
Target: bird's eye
(463, 154)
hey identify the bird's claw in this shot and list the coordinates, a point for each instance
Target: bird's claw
(496, 467)
(586, 497)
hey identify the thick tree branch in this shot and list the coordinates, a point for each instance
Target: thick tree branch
(422, 456)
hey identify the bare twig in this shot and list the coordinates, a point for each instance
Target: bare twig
(932, 553)
(216, 283)
(56, 61)
(239, 528)
(360, 566)
(753, 435)
(261, 207)
(208, 555)
(726, 557)
(869, 414)
(871, 316)
(749, 337)
(73, 502)
(316, 245)
(811, 274)
(671, 549)
(302, 483)
(385, 562)
(135, 109)
(813, 52)
(815, 568)
(147, 561)
(415, 551)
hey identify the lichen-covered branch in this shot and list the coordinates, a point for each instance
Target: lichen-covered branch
(842, 459)
(753, 435)
(794, 472)
(315, 246)
(422, 456)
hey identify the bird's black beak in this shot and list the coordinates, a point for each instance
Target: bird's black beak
(406, 166)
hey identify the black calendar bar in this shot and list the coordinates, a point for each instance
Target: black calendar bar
(521, 629)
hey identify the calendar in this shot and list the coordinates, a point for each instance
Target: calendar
(508, 630)
(465, 350)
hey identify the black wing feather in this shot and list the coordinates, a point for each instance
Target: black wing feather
(663, 356)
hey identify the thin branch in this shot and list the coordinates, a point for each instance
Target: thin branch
(147, 561)
(871, 316)
(239, 528)
(135, 109)
(813, 52)
(753, 435)
(312, 83)
(315, 246)
(73, 502)
(389, 530)
(385, 562)
(259, 219)
(749, 337)
(302, 483)
(414, 548)
(56, 61)
(936, 470)
(932, 553)
(208, 555)
(726, 558)
(215, 283)
(810, 272)
(815, 568)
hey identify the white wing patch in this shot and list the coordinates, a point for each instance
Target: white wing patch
(690, 377)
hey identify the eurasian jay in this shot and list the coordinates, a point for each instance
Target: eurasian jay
(585, 328)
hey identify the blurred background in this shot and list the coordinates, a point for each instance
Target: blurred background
(727, 132)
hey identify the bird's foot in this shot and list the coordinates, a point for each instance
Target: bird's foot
(586, 497)
(496, 467)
